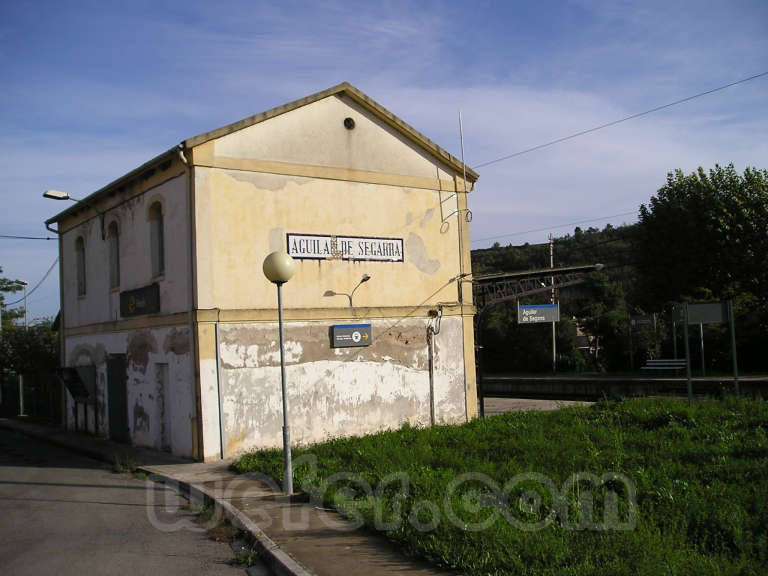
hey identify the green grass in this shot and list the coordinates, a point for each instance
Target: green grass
(700, 472)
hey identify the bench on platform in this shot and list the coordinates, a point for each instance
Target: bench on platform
(664, 365)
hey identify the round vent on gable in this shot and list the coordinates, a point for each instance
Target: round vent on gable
(349, 123)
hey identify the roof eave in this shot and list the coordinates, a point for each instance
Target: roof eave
(345, 87)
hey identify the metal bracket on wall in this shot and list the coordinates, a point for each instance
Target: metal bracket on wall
(444, 224)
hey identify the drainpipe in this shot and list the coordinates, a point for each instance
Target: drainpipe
(195, 421)
(431, 353)
(432, 330)
(62, 343)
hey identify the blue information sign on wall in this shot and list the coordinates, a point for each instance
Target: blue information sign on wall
(351, 335)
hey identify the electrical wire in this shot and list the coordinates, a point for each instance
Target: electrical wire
(554, 227)
(11, 237)
(561, 239)
(625, 119)
(36, 285)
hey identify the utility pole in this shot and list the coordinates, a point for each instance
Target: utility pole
(552, 281)
(21, 375)
(26, 318)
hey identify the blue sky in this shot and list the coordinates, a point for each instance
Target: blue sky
(90, 90)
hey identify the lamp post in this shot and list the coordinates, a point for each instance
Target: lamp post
(279, 268)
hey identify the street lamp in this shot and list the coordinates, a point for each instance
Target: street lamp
(59, 195)
(279, 268)
(363, 280)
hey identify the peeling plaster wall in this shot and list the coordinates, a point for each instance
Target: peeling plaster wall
(209, 391)
(335, 392)
(147, 400)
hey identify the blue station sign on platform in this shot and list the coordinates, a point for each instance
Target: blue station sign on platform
(351, 335)
(535, 313)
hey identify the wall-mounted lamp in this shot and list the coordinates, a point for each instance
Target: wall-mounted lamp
(363, 280)
(59, 195)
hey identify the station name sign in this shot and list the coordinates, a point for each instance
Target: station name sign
(144, 300)
(533, 314)
(328, 247)
(706, 313)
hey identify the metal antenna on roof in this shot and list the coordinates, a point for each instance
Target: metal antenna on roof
(463, 164)
(466, 211)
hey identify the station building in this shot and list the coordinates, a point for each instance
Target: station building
(164, 303)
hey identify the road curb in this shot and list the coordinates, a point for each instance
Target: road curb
(273, 556)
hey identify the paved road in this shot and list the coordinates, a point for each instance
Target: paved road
(61, 513)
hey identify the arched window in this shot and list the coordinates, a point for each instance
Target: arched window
(113, 244)
(80, 265)
(156, 241)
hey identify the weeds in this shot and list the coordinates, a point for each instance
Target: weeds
(123, 463)
(204, 513)
(248, 556)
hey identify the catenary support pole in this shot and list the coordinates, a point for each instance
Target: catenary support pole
(554, 326)
(21, 395)
(732, 322)
(674, 338)
(687, 353)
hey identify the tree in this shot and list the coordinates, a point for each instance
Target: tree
(9, 286)
(28, 350)
(704, 234)
(25, 350)
(605, 314)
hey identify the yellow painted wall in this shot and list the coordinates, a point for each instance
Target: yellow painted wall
(244, 209)
(315, 134)
(247, 215)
